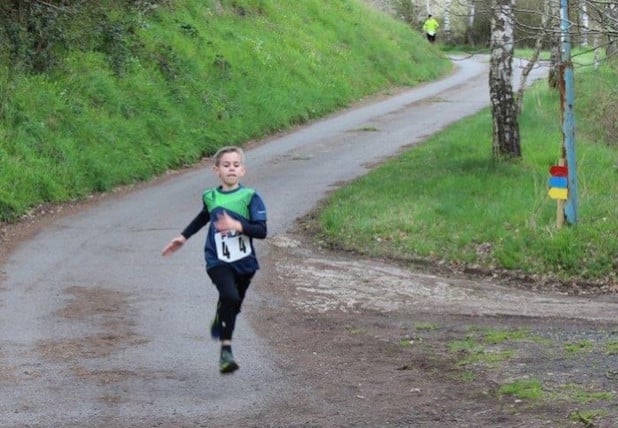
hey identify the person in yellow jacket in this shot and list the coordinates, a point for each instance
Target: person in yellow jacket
(430, 27)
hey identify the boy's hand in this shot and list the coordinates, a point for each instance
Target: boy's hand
(174, 245)
(225, 223)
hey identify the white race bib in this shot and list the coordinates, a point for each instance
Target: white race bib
(232, 246)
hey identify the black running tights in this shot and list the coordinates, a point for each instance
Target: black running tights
(232, 288)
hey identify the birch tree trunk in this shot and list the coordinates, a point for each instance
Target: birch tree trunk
(585, 22)
(555, 57)
(470, 23)
(447, 20)
(506, 139)
(612, 18)
(547, 23)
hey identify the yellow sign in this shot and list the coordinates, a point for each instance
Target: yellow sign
(558, 193)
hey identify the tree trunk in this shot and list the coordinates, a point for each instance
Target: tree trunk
(447, 21)
(541, 37)
(612, 43)
(555, 57)
(506, 139)
(470, 23)
(585, 23)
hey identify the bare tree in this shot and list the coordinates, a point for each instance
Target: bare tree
(470, 22)
(545, 36)
(555, 54)
(447, 20)
(506, 139)
(585, 21)
(611, 27)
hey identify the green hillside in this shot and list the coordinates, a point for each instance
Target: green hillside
(100, 96)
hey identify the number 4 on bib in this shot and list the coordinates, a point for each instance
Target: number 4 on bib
(232, 246)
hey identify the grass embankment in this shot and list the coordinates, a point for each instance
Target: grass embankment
(449, 201)
(133, 96)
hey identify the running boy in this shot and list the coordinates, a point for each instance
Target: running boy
(236, 214)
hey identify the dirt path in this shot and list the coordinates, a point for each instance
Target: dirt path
(380, 345)
(370, 343)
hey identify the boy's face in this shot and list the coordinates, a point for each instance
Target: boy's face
(230, 170)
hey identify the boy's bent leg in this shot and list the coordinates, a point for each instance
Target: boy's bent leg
(242, 284)
(232, 288)
(215, 325)
(229, 299)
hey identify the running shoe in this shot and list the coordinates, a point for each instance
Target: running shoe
(226, 363)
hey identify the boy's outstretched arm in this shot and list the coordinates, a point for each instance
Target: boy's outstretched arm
(174, 245)
(196, 224)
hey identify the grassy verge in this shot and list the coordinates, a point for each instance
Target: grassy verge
(135, 95)
(449, 201)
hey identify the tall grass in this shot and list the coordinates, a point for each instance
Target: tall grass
(186, 80)
(448, 200)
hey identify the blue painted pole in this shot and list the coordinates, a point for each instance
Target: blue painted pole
(568, 125)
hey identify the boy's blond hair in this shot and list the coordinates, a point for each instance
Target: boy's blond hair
(229, 149)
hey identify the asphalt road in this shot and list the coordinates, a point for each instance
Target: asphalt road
(98, 329)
